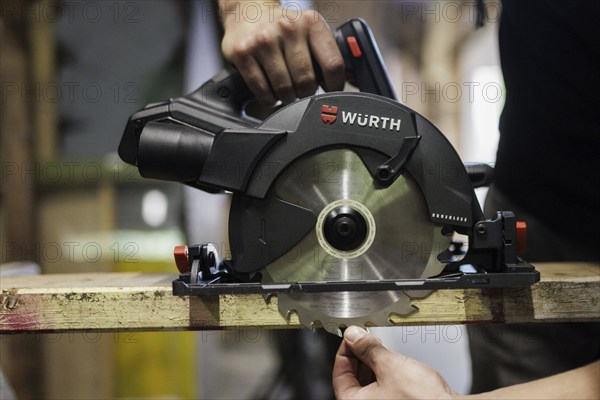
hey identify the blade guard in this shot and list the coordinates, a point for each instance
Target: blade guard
(375, 128)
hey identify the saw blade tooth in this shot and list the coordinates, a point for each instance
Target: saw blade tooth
(307, 322)
(285, 308)
(334, 330)
(312, 318)
(288, 314)
(403, 314)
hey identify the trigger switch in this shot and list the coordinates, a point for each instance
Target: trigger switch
(354, 47)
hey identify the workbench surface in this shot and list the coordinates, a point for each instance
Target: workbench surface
(140, 301)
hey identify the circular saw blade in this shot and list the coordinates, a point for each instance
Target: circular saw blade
(401, 243)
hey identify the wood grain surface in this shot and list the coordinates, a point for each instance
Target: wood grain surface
(139, 301)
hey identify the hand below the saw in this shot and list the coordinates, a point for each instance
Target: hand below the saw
(365, 369)
(272, 50)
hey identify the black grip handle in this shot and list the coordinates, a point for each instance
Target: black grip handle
(228, 91)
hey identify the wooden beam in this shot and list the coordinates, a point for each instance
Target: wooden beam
(132, 301)
(20, 361)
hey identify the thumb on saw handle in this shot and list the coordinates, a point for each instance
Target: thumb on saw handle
(228, 92)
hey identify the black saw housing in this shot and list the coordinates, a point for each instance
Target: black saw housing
(206, 140)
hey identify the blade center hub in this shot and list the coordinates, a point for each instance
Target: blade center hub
(345, 228)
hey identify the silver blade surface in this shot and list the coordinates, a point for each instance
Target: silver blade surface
(401, 242)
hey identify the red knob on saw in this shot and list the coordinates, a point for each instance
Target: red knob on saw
(521, 237)
(182, 258)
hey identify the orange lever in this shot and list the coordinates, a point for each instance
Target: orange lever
(182, 258)
(521, 237)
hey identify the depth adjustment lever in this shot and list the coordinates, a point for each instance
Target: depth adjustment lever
(393, 168)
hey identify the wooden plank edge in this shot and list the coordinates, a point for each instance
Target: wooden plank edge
(153, 307)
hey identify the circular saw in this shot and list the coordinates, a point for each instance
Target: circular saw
(344, 204)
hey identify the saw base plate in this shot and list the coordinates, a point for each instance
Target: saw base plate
(519, 276)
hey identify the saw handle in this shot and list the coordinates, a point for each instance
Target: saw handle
(362, 59)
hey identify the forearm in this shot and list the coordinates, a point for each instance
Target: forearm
(580, 383)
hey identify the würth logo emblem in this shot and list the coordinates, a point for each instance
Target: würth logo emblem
(328, 114)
